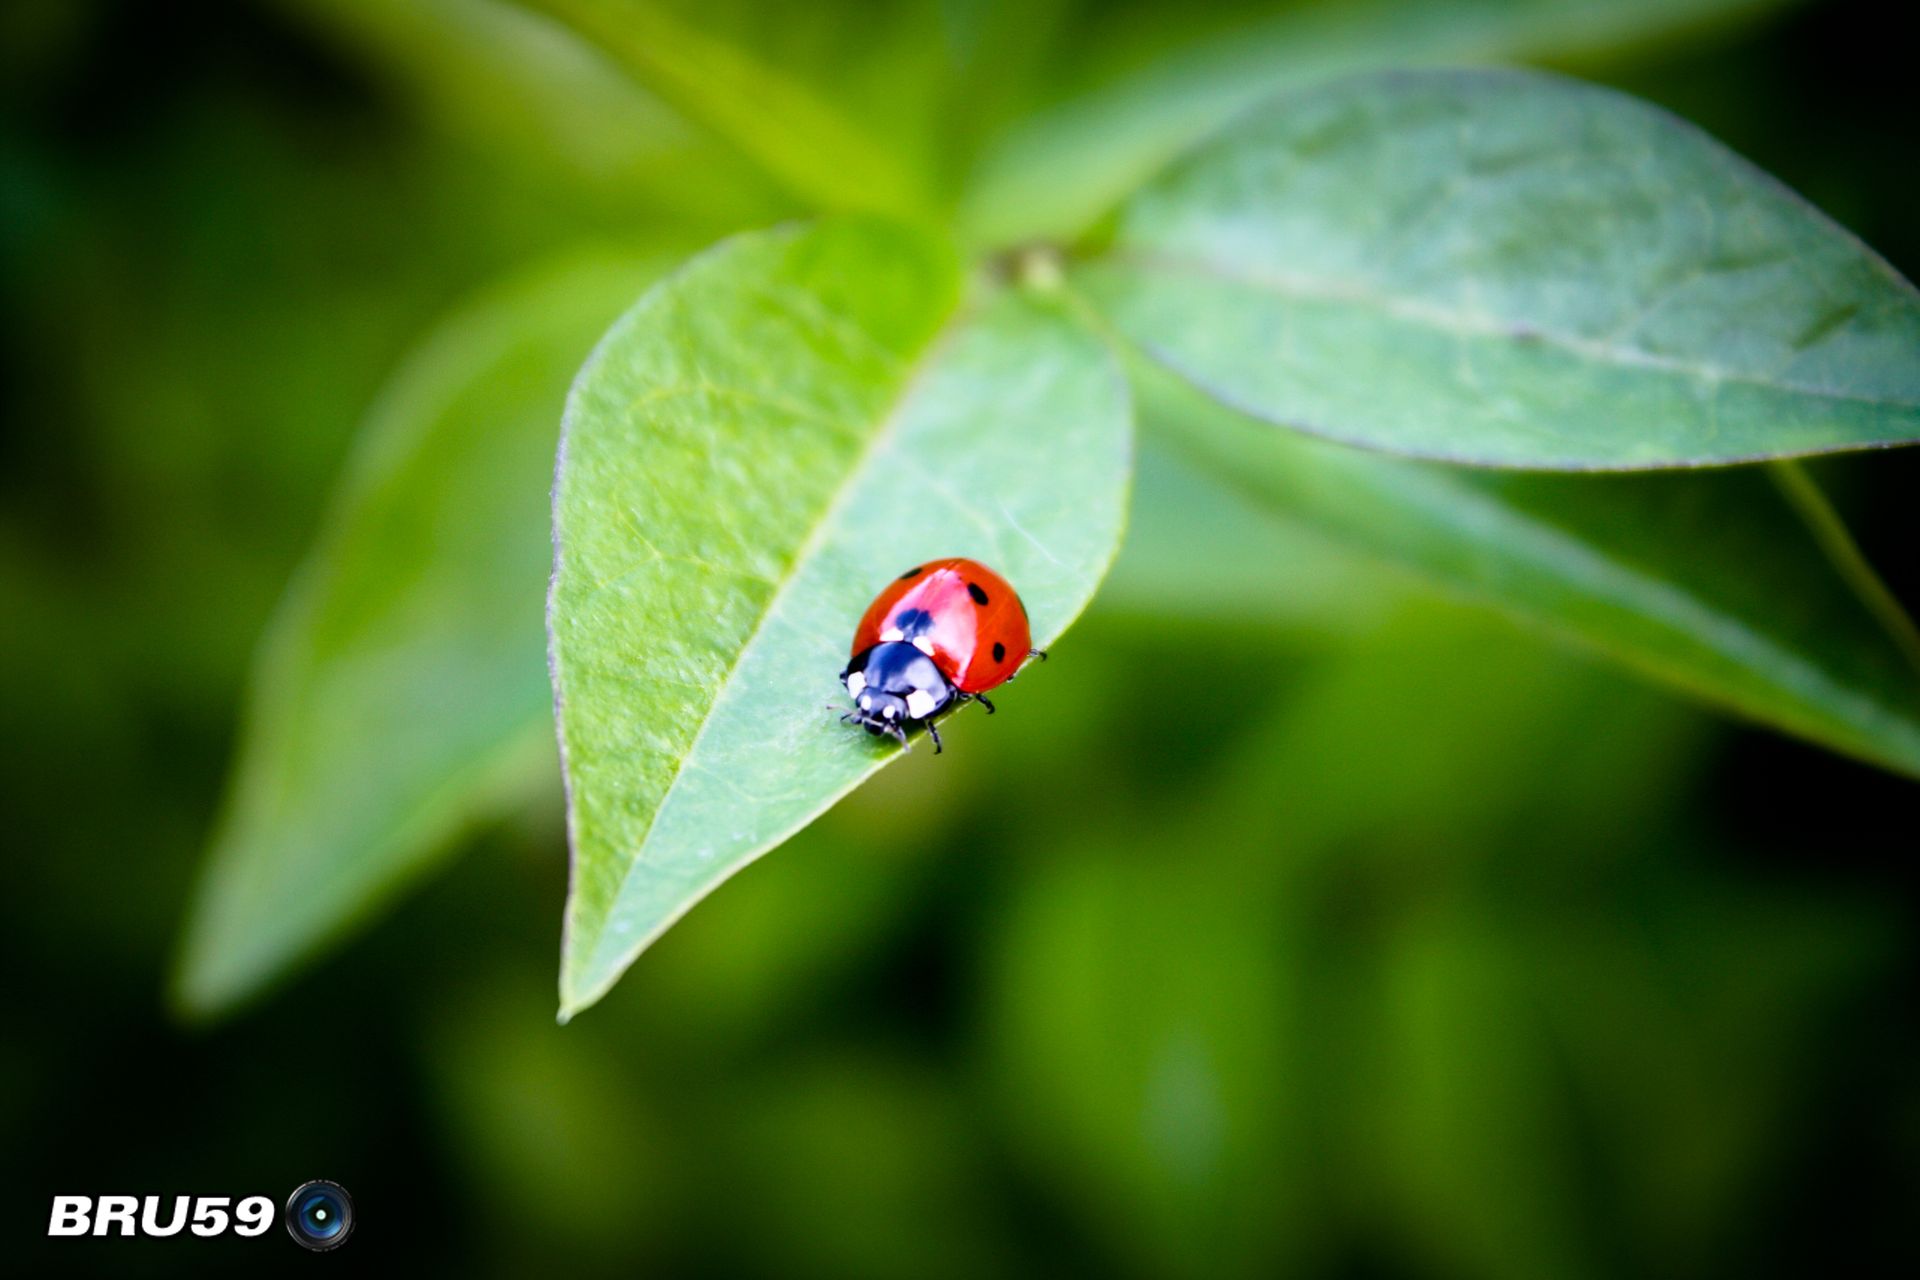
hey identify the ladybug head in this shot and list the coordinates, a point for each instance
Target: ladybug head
(894, 685)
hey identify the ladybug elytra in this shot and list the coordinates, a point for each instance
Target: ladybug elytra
(939, 636)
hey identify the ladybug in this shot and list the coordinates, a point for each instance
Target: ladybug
(939, 636)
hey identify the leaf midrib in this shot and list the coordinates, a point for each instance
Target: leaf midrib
(914, 370)
(1293, 287)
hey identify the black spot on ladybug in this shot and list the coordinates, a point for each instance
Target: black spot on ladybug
(913, 622)
(999, 652)
(911, 573)
(979, 596)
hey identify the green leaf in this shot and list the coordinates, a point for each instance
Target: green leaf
(755, 450)
(800, 135)
(1513, 270)
(1134, 94)
(1707, 581)
(399, 691)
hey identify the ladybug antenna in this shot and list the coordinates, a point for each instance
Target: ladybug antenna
(875, 724)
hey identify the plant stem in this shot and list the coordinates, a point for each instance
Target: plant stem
(1830, 531)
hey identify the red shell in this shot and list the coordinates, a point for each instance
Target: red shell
(976, 645)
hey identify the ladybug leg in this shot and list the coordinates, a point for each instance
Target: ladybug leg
(934, 733)
(1031, 655)
(981, 698)
(900, 735)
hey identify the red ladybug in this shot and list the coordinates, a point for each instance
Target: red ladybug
(940, 635)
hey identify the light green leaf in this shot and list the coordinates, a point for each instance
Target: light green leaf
(1137, 93)
(756, 449)
(399, 692)
(1707, 581)
(1514, 270)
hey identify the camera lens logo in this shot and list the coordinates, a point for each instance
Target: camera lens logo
(320, 1215)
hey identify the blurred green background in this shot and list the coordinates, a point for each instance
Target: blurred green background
(1294, 921)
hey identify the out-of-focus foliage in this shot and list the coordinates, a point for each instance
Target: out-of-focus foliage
(1287, 922)
(528, 93)
(759, 446)
(400, 690)
(833, 101)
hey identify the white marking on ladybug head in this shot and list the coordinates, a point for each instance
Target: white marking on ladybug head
(892, 633)
(866, 702)
(890, 711)
(919, 704)
(856, 681)
(924, 645)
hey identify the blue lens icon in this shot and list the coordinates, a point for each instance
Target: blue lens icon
(320, 1215)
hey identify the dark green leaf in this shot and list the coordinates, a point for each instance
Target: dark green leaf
(1708, 581)
(756, 449)
(1513, 270)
